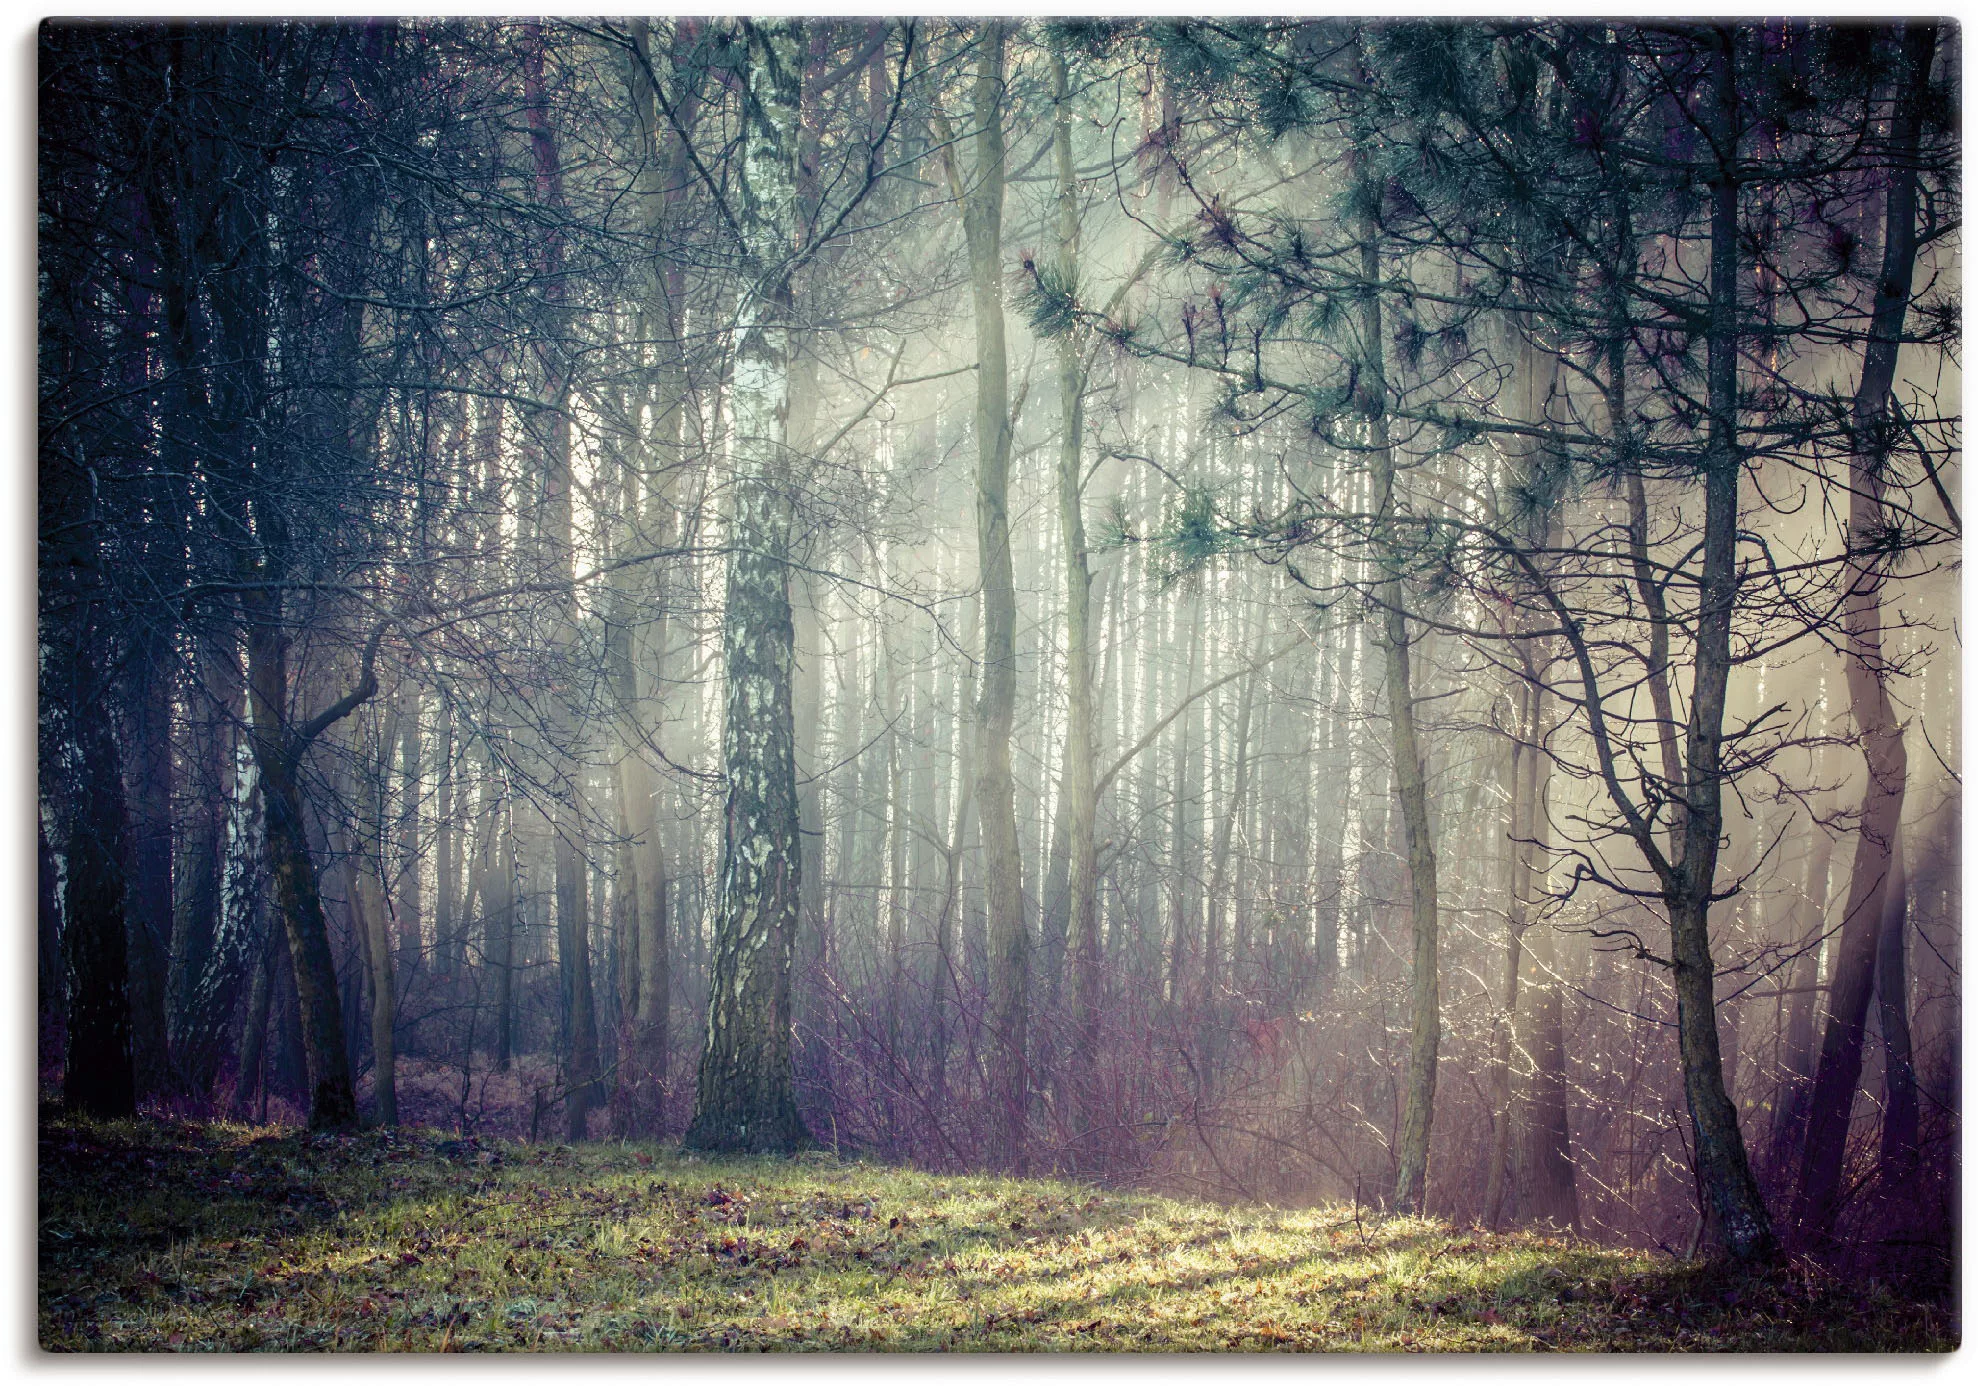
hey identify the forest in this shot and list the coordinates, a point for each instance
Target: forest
(1311, 613)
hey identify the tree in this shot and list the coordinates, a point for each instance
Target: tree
(980, 192)
(1877, 866)
(744, 1099)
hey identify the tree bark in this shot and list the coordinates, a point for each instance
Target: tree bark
(1831, 1106)
(1410, 778)
(407, 897)
(1185, 811)
(50, 993)
(745, 1097)
(1899, 1104)
(1722, 1166)
(500, 912)
(1789, 1116)
(97, 1073)
(291, 865)
(1524, 751)
(1542, 1157)
(573, 923)
(1216, 939)
(448, 945)
(210, 957)
(251, 1075)
(149, 770)
(371, 908)
(640, 649)
(995, 788)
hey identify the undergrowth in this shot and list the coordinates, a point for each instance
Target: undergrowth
(159, 1235)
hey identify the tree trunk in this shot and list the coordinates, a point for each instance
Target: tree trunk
(1215, 906)
(995, 788)
(149, 767)
(447, 940)
(896, 852)
(573, 951)
(1802, 983)
(1518, 818)
(292, 867)
(371, 909)
(1542, 1157)
(1881, 735)
(745, 1097)
(1328, 880)
(1185, 812)
(50, 994)
(407, 901)
(97, 1073)
(640, 667)
(570, 869)
(949, 959)
(1722, 1166)
(253, 1050)
(211, 956)
(1899, 1106)
(1410, 779)
(500, 950)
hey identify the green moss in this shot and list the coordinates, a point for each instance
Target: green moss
(174, 1236)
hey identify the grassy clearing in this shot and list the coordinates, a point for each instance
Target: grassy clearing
(173, 1236)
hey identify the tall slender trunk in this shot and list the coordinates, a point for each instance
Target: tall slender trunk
(1542, 1156)
(1215, 937)
(97, 1073)
(995, 789)
(814, 1011)
(50, 993)
(1410, 777)
(1328, 882)
(895, 706)
(148, 768)
(1881, 736)
(1802, 982)
(371, 907)
(407, 898)
(569, 865)
(745, 1097)
(447, 941)
(1722, 1167)
(501, 942)
(1185, 812)
(573, 950)
(948, 955)
(642, 677)
(210, 954)
(1899, 1103)
(1518, 819)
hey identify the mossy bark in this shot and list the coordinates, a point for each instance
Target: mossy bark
(292, 870)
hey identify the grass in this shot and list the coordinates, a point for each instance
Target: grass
(159, 1235)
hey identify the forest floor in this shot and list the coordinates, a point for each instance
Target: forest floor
(163, 1235)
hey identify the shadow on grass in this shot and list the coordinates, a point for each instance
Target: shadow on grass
(129, 1211)
(156, 1233)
